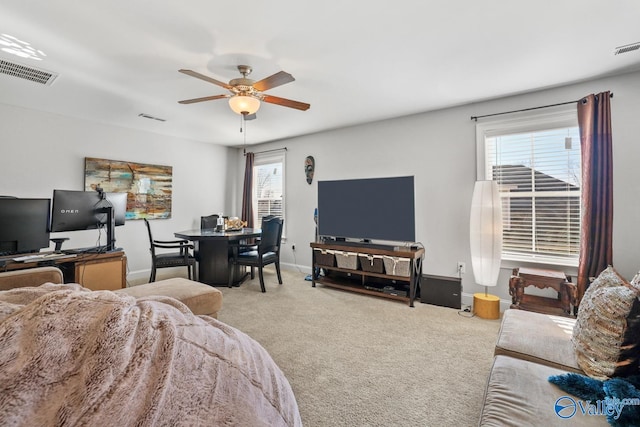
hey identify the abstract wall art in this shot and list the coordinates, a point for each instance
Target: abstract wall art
(149, 187)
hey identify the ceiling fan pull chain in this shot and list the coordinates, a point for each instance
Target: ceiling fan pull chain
(244, 125)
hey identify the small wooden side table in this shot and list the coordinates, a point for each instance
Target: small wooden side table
(540, 278)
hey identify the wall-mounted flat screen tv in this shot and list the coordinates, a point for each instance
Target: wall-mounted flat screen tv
(367, 209)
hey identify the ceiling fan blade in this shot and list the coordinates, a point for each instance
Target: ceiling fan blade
(250, 116)
(205, 78)
(205, 98)
(275, 80)
(286, 102)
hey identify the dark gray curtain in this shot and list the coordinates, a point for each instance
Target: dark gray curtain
(596, 250)
(247, 192)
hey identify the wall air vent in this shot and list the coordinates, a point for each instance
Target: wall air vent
(33, 74)
(147, 116)
(627, 48)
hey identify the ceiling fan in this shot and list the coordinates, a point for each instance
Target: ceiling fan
(246, 94)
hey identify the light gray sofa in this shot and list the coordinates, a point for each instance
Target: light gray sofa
(530, 348)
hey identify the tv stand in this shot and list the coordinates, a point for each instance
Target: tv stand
(368, 282)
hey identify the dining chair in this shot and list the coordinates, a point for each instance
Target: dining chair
(266, 252)
(206, 222)
(180, 258)
(252, 245)
(209, 221)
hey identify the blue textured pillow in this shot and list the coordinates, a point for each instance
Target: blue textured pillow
(591, 389)
(586, 388)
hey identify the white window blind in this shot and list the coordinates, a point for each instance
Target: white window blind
(537, 166)
(268, 186)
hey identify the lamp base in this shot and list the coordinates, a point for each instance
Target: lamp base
(486, 306)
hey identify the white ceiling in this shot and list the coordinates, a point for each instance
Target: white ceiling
(354, 61)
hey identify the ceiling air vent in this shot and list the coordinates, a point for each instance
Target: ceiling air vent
(28, 73)
(627, 48)
(148, 116)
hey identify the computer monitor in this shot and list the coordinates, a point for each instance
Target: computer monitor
(80, 210)
(86, 210)
(119, 203)
(24, 225)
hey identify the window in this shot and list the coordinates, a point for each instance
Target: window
(268, 186)
(536, 163)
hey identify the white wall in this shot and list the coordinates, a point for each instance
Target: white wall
(42, 152)
(438, 148)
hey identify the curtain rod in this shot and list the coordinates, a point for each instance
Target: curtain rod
(269, 151)
(529, 109)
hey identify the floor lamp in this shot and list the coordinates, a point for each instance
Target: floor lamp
(486, 246)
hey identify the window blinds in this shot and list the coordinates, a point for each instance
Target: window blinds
(539, 176)
(268, 187)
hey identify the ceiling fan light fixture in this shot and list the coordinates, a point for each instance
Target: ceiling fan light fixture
(242, 104)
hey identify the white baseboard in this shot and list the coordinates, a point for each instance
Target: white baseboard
(142, 276)
(294, 267)
(466, 298)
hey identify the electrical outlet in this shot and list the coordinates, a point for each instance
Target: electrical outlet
(293, 246)
(462, 267)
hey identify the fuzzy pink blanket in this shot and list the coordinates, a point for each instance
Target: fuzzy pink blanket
(70, 356)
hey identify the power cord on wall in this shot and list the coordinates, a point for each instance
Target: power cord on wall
(466, 311)
(295, 261)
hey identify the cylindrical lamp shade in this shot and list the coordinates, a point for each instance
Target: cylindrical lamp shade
(486, 232)
(244, 104)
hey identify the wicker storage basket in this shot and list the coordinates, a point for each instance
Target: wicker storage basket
(348, 260)
(325, 257)
(396, 266)
(371, 263)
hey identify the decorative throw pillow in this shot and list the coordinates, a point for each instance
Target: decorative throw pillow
(605, 335)
(609, 277)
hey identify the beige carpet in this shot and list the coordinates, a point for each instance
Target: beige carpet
(355, 360)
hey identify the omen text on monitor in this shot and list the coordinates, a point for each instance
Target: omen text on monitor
(86, 210)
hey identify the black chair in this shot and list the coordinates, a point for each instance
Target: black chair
(206, 223)
(252, 245)
(209, 221)
(181, 258)
(267, 252)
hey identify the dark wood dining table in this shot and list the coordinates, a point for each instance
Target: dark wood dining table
(213, 250)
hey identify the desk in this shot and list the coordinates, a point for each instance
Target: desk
(95, 271)
(214, 248)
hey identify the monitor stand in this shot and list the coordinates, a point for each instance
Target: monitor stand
(111, 227)
(58, 243)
